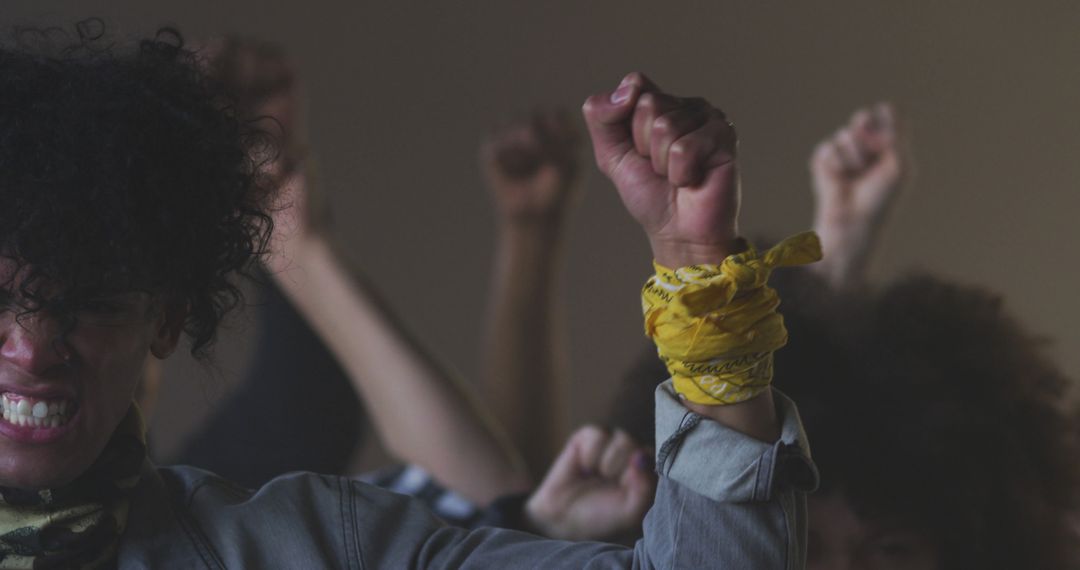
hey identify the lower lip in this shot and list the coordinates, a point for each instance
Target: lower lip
(36, 435)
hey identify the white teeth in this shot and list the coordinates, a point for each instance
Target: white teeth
(22, 411)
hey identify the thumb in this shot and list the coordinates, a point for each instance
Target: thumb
(883, 178)
(607, 116)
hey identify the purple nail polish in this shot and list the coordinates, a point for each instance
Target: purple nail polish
(641, 461)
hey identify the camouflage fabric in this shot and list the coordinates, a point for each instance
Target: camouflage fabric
(77, 526)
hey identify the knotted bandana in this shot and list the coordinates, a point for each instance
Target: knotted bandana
(716, 326)
(79, 525)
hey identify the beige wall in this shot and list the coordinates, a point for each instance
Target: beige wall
(400, 93)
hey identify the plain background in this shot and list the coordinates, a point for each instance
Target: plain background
(400, 93)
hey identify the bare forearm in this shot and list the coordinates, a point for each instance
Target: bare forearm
(847, 252)
(423, 414)
(523, 354)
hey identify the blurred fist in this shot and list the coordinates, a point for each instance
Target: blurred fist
(858, 170)
(672, 160)
(262, 81)
(532, 167)
(599, 488)
(856, 174)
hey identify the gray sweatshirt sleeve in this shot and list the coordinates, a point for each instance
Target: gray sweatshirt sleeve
(724, 500)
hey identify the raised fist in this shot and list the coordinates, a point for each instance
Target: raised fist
(856, 174)
(672, 160)
(599, 488)
(262, 81)
(532, 167)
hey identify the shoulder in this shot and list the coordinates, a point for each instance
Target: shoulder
(299, 520)
(296, 520)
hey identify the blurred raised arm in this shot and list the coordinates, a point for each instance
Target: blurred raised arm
(423, 413)
(531, 169)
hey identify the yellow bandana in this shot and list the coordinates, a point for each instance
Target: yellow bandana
(716, 326)
(78, 526)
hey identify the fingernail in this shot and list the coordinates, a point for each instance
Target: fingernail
(622, 93)
(641, 461)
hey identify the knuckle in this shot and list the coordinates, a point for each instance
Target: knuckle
(588, 107)
(648, 102)
(590, 432)
(663, 125)
(623, 441)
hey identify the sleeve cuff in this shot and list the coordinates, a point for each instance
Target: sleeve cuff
(725, 465)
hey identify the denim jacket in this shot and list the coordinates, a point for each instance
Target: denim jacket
(724, 500)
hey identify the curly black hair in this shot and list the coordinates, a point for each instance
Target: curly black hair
(125, 168)
(928, 405)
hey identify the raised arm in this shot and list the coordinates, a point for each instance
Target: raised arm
(673, 162)
(531, 169)
(422, 412)
(856, 175)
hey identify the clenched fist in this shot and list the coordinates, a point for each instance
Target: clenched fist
(856, 175)
(599, 488)
(672, 160)
(532, 168)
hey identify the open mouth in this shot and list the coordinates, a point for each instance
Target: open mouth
(35, 413)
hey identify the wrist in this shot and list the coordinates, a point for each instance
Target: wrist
(755, 417)
(675, 254)
(846, 251)
(533, 235)
(534, 519)
(533, 222)
(845, 227)
(288, 254)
